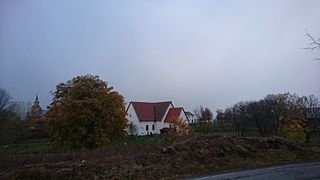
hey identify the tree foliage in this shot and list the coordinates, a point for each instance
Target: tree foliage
(180, 126)
(294, 129)
(288, 107)
(86, 112)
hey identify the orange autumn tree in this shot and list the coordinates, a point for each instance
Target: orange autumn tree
(180, 126)
(85, 112)
(295, 129)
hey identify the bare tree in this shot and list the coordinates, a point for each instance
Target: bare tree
(21, 109)
(207, 115)
(5, 99)
(243, 117)
(232, 115)
(219, 111)
(204, 115)
(312, 115)
(7, 106)
(6, 114)
(270, 115)
(314, 44)
(239, 117)
(198, 113)
(255, 114)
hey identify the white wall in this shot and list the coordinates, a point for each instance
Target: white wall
(132, 117)
(143, 131)
(141, 126)
(183, 116)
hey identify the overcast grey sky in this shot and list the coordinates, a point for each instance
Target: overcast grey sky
(210, 53)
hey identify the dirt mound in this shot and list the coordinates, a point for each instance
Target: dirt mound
(186, 157)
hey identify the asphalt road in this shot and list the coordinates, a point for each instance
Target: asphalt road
(307, 171)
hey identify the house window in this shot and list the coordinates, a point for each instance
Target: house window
(152, 126)
(147, 127)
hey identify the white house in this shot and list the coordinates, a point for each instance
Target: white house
(149, 118)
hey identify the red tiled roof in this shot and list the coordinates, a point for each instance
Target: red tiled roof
(173, 113)
(151, 111)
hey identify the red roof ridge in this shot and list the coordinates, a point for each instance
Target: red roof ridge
(150, 111)
(150, 102)
(173, 113)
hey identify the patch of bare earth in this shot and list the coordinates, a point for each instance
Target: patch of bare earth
(188, 157)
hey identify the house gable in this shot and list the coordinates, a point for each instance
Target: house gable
(175, 113)
(150, 112)
(150, 118)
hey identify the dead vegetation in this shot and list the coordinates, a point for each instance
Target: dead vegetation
(189, 156)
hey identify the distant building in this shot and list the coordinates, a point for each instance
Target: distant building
(152, 118)
(36, 113)
(191, 117)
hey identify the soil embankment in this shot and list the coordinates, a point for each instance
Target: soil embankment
(187, 157)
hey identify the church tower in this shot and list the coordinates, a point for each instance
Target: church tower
(36, 113)
(37, 100)
(36, 109)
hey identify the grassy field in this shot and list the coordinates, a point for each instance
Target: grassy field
(220, 130)
(154, 139)
(26, 147)
(47, 147)
(140, 140)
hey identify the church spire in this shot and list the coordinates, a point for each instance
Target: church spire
(37, 99)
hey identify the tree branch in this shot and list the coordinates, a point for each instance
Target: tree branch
(314, 43)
